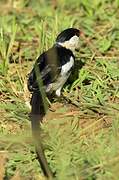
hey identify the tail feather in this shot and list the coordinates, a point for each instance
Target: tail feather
(37, 106)
(38, 111)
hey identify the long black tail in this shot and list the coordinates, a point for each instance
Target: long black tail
(38, 111)
(37, 105)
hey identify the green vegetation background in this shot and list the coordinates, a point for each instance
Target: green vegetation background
(83, 144)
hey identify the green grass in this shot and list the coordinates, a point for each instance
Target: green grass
(82, 144)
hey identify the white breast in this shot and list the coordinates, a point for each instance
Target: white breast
(66, 67)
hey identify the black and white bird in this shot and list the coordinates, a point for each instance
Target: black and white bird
(54, 66)
(49, 74)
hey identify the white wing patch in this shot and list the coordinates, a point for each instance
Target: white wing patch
(65, 72)
(66, 67)
(58, 92)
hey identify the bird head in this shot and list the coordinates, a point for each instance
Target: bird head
(69, 38)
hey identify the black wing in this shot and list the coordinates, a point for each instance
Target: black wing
(49, 65)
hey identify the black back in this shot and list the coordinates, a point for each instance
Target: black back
(49, 64)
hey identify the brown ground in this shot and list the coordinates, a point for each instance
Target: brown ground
(87, 123)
